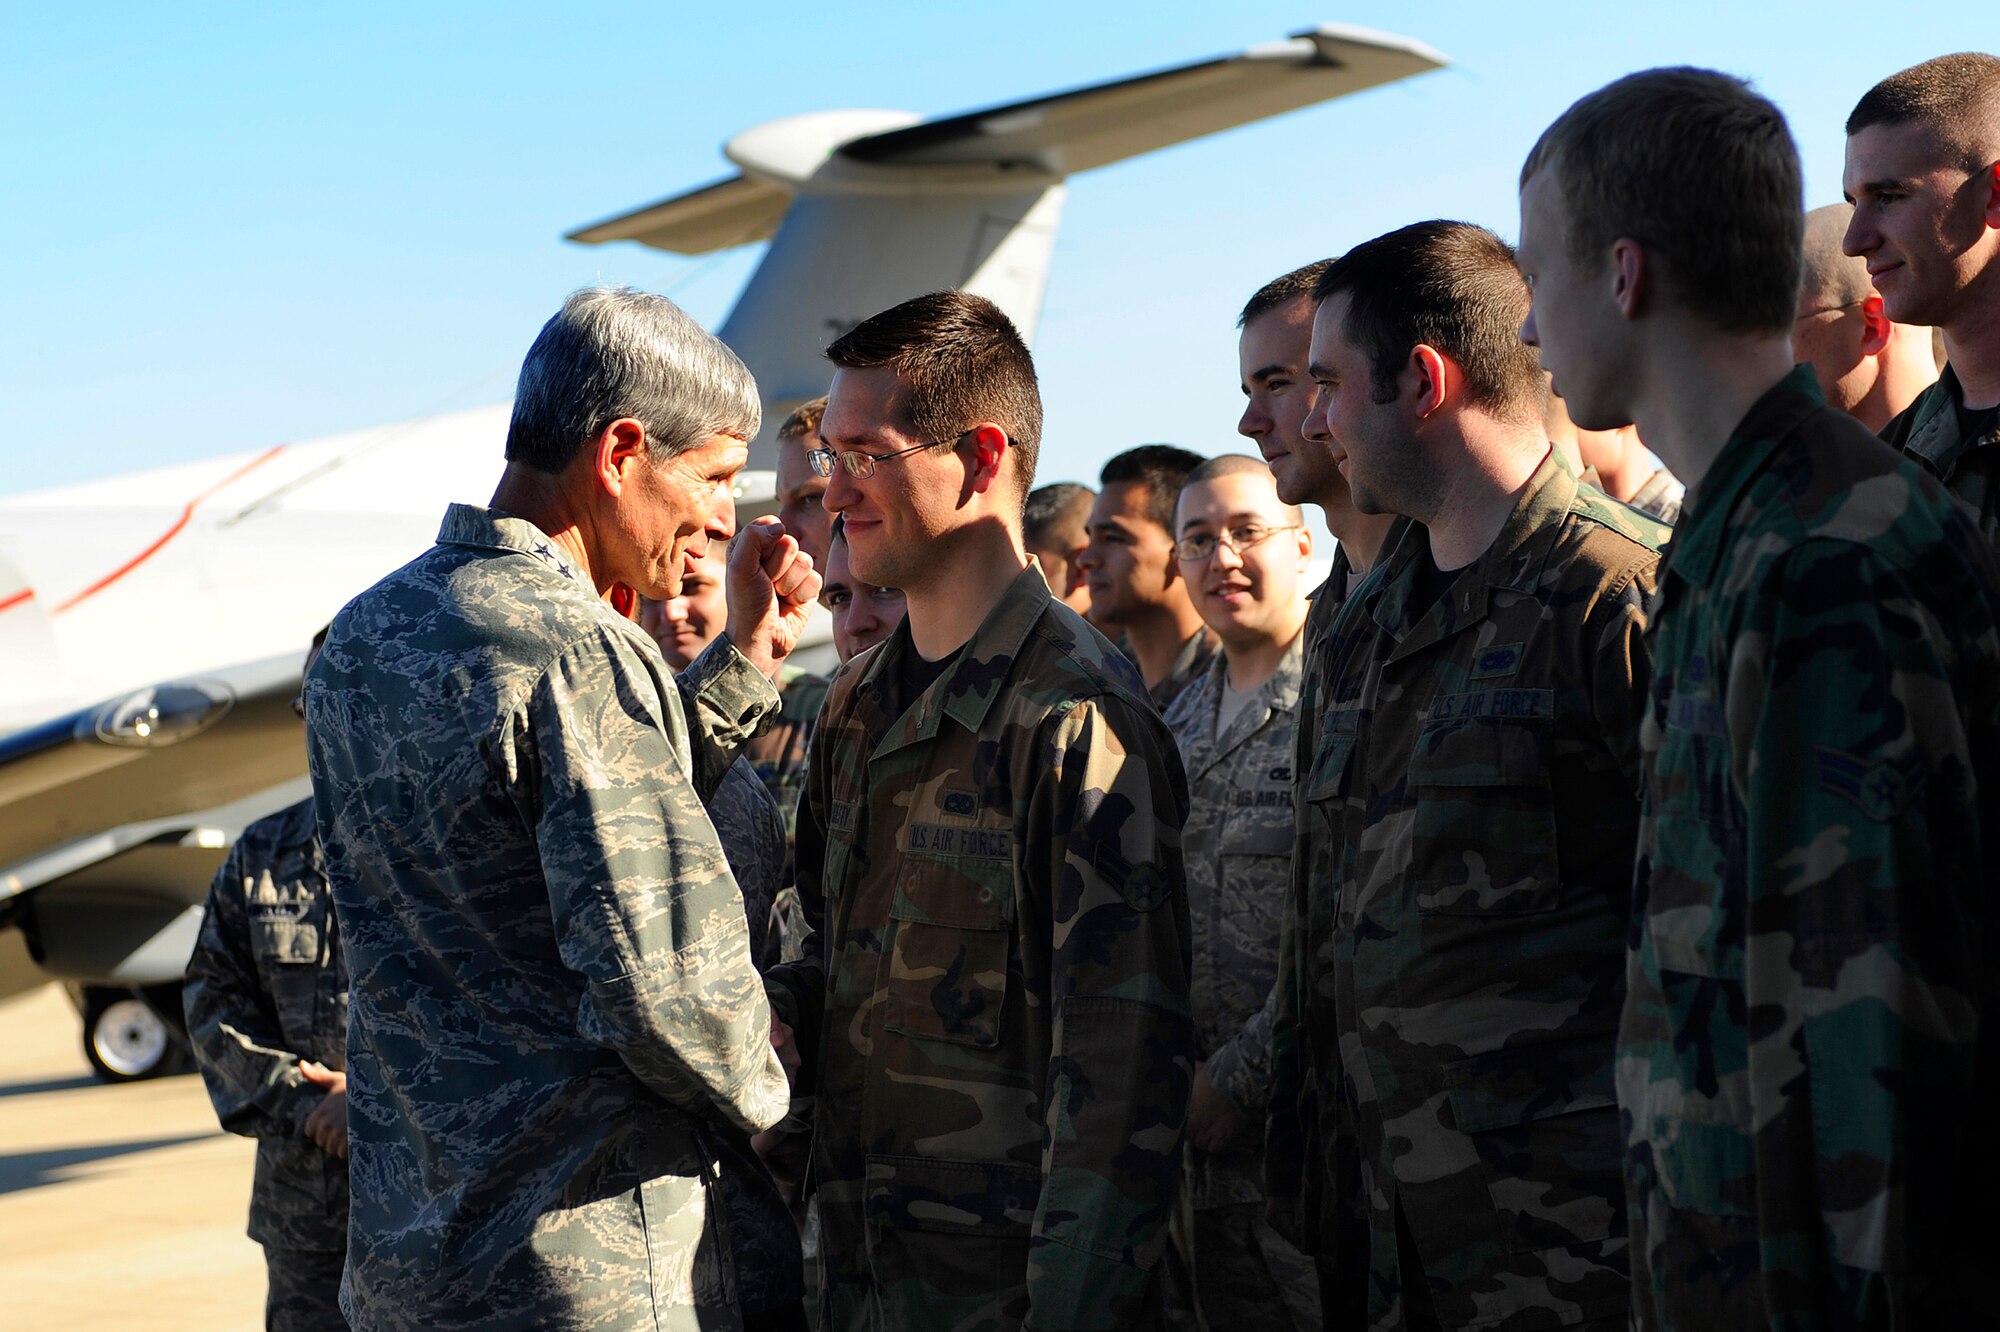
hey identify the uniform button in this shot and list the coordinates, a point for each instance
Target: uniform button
(986, 894)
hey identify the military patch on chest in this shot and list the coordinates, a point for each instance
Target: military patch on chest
(1281, 773)
(1503, 703)
(959, 804)
(1503, 659)
(943, 839)
(1881, 788)
(1269, 797)
(840, 816)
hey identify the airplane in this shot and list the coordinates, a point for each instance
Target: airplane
(154, 624)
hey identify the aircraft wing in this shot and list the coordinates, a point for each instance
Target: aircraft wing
(1074, 131)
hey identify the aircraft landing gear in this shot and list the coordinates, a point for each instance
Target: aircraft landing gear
(125, 1036)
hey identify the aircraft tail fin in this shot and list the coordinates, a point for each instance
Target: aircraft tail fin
(718, 216)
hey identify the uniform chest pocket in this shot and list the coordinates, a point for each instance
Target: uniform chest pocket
(1483, 839)
(284, 933)
(947, 964)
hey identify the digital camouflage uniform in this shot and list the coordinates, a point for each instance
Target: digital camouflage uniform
(778, 755)
(751, 828)
(1928, 430)
(763, 1237)
(1002, 1043)
(1237, 846)
(1806, 1064)
(1190, 662)
(266, 988)
(1471, 807)
(554, 1002)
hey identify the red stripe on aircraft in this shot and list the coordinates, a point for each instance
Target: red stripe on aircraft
(25, 594)
(187, 516)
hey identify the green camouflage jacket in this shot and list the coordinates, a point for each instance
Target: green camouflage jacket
(999, 1012)
(1969, 466)
(553, 997)
(267, 987)
(1470, 810)
(1238, 851)
(1807, 1053)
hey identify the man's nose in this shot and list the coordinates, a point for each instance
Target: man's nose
(1087, 557)
(1255, 423)
(1227, 556)
(1859, 238)
(840, 491)
(1528, 333)
(1314, 427)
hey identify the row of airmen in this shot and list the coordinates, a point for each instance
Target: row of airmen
(1285, 961)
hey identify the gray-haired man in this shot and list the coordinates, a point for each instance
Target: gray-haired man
(554, 1008)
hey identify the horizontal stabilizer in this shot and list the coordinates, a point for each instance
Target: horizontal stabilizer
(731, 212)
(1092, 127)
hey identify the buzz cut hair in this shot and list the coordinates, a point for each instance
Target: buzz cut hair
(1281, 291)
(1699, 170)
(1237, 464)
(1050, 506)
(1162, 468)
(1451, 286)
(963, 361)
(804, 421)
(1832, 279)
(1956, 97)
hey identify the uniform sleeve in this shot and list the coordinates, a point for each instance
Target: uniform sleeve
(1284, 1125)
(1862, 962)
(1241, 1068)
(1621, 660)
(798, 989)
(252, 1079)
(645, 908)
(1109, 815)
(727, 701)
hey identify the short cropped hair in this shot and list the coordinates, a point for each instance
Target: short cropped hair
(1699, 170)
(1832, 279)
(1237, 464)
(1957, 97)
(1281, 291)
(1162, 468)
(613, 352)
(1448, 285)
(964, 362)
(1050, 506)
(803, 423)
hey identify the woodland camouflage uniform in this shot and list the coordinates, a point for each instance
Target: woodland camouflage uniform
(999, 1015)
(1467, 821)
(1807, 1057)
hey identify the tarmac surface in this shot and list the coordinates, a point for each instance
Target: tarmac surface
(120, 1206)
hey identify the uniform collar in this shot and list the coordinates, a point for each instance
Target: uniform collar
(1514, 561)
(496, 529)
(1934, 436)
(1280, 693)
(969, 687)
(1696, 550)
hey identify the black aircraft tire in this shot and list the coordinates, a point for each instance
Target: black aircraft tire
(124, 1039)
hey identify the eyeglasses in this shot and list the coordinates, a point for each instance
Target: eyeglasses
(861, 465)
(1194, 549)
(1828, 309)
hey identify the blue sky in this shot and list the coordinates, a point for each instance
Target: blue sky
(228, 226)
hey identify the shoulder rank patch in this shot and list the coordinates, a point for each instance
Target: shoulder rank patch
(1881, 789)
(1146, 886)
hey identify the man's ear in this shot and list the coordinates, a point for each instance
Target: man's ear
(616, 450)
(1431, 376)
(1631, 276)
(989, 446)
(1992, 214)
(1875, 327)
